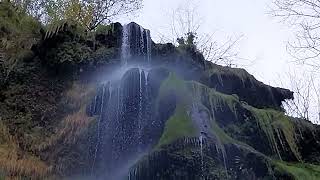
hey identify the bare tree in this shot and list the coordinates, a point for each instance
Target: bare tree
(186, 27)
(219, 53)
(306, 102)
(304, 16)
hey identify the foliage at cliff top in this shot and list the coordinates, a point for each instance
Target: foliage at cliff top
(18, 32)
(89, 14)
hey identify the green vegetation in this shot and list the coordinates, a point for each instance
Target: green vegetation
(101, 29)
(88, 14)
(276, 126)
(61, 138)
(187, 43)
(194, 93)
(217, 70)
(18, 32)
(298, 171)
(274, 123)
(217, 100)
(178, 126)
(176, 86)
(71, 52)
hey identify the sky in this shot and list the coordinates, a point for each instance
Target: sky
(264, 38)
(263, 41)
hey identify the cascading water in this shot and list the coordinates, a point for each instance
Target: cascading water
(201, 152)
(121, 105)
(136, 44)
(125, 47)
(202, 118)
(98, 127)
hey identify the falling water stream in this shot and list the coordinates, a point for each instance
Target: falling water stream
(121, 105)
(136, 43)
(201, 153)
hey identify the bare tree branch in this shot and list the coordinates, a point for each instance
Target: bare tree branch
(304, 16)
(306, 102)
(186, 22)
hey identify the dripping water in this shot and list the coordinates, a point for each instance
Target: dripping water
(148, 46)
(125, 47)
(140, 111)
(201, 153)
(142, 41)
(98, 128)
(136, 43)
(219, 145)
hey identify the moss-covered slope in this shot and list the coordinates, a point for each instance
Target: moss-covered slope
(184, 137)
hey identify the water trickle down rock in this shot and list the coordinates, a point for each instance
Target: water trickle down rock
(136, 44)
(122, 109)
(202, 117)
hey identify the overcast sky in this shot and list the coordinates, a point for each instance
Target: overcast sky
(264, 38)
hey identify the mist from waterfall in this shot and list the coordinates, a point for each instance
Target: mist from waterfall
(122, 104)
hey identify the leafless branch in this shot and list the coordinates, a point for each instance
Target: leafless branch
(186, 21)
(306, 102)
(304, 16)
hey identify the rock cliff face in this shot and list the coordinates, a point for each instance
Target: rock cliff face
(119, 106)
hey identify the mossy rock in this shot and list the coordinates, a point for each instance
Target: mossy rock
(297, 171)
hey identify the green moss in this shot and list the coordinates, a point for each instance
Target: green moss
(299, 171)
(174, 85)
(218, 132)
(215, 100)
(178, 126)
(191, 93)
(274, 123)
(221, 70)
(203, 94)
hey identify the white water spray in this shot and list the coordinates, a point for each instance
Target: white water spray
(125, 47)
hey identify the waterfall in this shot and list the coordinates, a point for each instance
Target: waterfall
(149, 43)
(142, 42)
(122, 105)
(140, 126)
(125, 47)
(201, 153)
(98, 127)
(136, 44)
